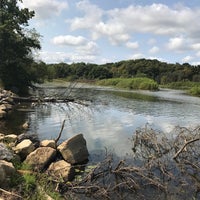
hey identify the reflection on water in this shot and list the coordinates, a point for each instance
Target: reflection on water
(111, 118)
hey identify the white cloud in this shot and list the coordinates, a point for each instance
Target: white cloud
(137, 56)
(57, 57)
(154, 50)
(198, 54)
(92, 16)
(196, 63)
(157, 19)
(196, 46)
(187, 59)
(81, 50)
(89, 48)
(69, 40)
(53, 57)
(179, 44)
(45, 9)
(132, 45)
(82, 46)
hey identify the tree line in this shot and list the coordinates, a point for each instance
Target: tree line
(161, 72)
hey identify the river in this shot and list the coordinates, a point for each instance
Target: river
(110, 118)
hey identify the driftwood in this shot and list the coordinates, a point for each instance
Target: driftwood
(151, 173)
(10, 193)
(183, 147)
(38, 99)
(60, 133)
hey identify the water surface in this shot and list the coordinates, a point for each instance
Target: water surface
(110, 117)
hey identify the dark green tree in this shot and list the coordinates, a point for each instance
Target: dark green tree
(16, 45)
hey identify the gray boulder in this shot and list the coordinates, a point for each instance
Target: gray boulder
(74, 150)
(61, 170)
(41, 158)
(5, 153)
(7, 170)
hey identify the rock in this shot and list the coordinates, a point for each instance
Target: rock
(48, 143)
(41, 158)
(2, 114)
(32, 137)
(7, 170)
(10, 138)
(2, 107)
(2, 137)
(61, 170)
(10, 100)
(8, 106)
(74, 150)
(24, 148)
(25, 125)
(5, 153)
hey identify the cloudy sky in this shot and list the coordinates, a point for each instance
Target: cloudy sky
(101, 31)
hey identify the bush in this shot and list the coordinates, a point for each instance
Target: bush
(141, 83)
(195, 91)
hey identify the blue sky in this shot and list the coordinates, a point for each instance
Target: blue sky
(101, 31)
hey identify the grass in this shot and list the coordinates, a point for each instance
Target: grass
(193, 88)
(130, 83)
(195, 91)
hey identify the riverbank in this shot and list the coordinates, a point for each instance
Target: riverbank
(6, 102)
(28, 166)
(162, 167)
(191, 88)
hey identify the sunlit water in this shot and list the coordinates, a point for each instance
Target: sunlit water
(111, 117)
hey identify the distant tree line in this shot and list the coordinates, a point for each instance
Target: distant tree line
(161, 72)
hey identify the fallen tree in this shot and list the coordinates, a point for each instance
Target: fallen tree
(162, 167)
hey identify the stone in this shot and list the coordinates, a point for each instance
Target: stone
(2, 107)
(25, 125)
(8, 106)
(32, 137)
(5, 153)
(48, 143)
(74, 150)
(10, 138)
(41, 158)
(2, 114)
(61, 170)
(24, 148)
(2, 137)
(10, 100)
(7, 170)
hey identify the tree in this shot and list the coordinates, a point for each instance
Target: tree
(16, 45)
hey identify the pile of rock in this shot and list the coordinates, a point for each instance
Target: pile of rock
(6, 102)
(57, 161)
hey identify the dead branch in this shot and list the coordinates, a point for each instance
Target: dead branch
(183, 147)
(60, 133)
(10, 193)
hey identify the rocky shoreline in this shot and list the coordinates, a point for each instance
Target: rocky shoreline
(6, 102)
(57, 161)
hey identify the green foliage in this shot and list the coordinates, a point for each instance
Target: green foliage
(130, 83)
(195, 91)
(161, 72)
(181, 85)
(17, 43)
(29, 182)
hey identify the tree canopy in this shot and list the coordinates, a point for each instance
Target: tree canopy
(16, 45)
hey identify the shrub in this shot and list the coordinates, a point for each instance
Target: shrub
(141, 83)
